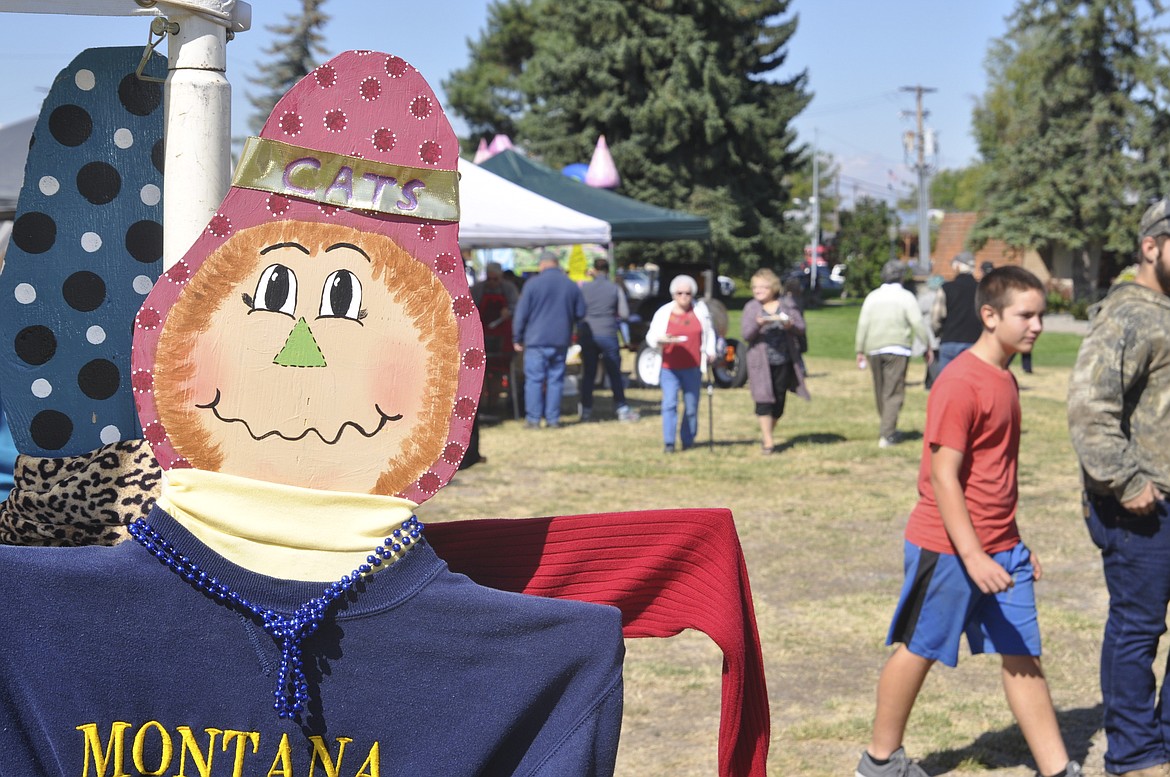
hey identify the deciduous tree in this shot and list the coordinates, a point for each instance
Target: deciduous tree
(958, 190)
(800, 186)
(864, 244)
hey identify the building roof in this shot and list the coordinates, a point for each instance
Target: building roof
(953, 233)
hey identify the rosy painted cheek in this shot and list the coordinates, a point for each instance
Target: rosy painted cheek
(209, 376)
(399, 380)
(391, 393)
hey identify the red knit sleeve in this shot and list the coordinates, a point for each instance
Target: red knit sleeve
(666, 570)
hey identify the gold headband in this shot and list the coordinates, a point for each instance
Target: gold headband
(348, 181)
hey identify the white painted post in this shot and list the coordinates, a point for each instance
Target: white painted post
(197, 98)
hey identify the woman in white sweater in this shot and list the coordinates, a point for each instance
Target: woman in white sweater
(682, 330)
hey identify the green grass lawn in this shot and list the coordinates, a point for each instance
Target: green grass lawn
(820, 523)
(832, 326)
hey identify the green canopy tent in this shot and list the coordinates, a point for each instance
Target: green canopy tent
(629, 219)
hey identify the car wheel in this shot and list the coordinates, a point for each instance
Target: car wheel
(730, 371)
(648, 366)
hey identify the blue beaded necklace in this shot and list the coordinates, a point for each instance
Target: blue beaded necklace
(289, 631)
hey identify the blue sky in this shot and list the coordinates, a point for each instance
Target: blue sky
(858, 54)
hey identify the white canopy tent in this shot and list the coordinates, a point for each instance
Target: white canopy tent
(496, 213)
(14, 140)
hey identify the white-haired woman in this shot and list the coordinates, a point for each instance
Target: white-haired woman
(682, 330)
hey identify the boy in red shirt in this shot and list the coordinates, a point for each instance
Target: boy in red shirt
(966, 569)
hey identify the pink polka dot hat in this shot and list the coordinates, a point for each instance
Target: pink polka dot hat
(361, 143)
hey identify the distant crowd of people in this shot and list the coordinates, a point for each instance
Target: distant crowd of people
(540, 320)
(968, 573)
(539, 325)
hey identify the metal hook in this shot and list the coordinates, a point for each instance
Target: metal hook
(159, 26)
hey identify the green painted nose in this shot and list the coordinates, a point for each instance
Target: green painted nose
(301, 349)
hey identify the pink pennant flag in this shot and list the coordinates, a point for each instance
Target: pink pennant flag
(500, 143)
(602, 172)
(482, 152)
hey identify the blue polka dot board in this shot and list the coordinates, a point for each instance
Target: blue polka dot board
(86, 248)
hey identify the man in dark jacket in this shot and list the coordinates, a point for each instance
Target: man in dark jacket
(542, 329)
(953, 317)
(605, 306)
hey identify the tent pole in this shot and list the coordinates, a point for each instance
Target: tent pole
(197, 129)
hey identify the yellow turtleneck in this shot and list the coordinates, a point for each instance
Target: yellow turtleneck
(277, 530)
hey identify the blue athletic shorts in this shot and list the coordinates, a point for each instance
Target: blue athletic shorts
(939, 603)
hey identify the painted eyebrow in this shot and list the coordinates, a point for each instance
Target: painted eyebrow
(284, 245)
(350, 246)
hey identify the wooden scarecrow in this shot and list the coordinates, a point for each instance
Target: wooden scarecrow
(306, 375)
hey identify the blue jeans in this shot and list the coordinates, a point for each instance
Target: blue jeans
(543, 364)
(689, 381)
(1136, 555)
(605, 348)
(948, 351)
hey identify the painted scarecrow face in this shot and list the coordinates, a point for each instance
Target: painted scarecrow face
(310, 354)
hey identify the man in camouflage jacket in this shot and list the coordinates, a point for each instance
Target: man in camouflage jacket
(1119, 418)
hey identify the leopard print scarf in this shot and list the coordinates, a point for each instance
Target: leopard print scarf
(80, 500)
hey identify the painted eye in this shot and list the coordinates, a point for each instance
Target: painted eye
(341, 296)
(276, 290)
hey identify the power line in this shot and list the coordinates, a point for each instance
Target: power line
(877, 155)
(872, 190)
(849, 106)
(889, 185)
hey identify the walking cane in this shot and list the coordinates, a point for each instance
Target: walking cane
(710, 411)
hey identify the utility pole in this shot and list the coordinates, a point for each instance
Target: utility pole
(816, 217)
(916, 144)
(837, 201)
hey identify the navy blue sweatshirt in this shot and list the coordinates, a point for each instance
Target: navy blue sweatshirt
(111, 665)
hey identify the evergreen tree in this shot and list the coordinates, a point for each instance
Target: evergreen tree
(1073, 129)
(291, 56)
(682, 91)
(487, 93)
(863, 243)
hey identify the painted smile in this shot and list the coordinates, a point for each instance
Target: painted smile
(213, 406)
